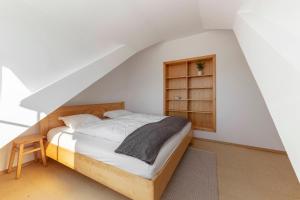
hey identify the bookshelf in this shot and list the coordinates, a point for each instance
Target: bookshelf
(190, 95)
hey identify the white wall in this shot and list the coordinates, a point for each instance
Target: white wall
(242, 116)
(6, 149)
(14, 119)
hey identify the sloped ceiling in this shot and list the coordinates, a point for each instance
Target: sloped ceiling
(269, 35)
(216, 14)
(44, 41)
(100, 27)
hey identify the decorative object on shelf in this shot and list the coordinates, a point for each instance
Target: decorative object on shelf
(200, 67)
(177, 97)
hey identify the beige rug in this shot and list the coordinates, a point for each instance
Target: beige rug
(195, 177)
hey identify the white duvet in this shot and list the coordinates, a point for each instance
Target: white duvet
(103, 150)
(117, 129)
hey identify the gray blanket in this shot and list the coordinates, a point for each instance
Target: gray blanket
(145, 142)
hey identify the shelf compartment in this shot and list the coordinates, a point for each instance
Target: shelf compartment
(173, 94)
(200, 99)
(177, 100)
(203, 128)
(200, 93)
(200, 82)
(198, 88)
(189, 100)
(176, 69)
(200, 106)
(177, 114)
(176, 83)
(174, 110)
(194, 76)
(202, 120)
(178, 88)
(192, 67)
(199, 76)
(191, 111)
(177, 105)
(179, 77)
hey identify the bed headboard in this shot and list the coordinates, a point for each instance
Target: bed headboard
(52, 121)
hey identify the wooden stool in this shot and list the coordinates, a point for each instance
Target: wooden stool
(37, 144)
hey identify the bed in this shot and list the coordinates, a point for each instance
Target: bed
(129, 176)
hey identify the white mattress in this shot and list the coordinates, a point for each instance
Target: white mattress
(103, 150)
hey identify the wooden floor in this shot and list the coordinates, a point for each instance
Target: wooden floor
(244, 174)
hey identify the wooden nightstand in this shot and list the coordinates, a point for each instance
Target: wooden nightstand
(35, 143)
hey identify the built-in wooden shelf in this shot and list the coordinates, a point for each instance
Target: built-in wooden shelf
(190, 95)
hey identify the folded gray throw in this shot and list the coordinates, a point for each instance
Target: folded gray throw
(145, 142)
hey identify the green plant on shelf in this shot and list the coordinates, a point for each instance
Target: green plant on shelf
(200, 66)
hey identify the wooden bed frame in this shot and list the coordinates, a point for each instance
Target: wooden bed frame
(128, 184)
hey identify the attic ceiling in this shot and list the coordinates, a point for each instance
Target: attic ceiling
(44, 41)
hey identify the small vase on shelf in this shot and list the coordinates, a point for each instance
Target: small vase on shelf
(200, 67)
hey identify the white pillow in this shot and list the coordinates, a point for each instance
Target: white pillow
(116, 113)
(76, 121)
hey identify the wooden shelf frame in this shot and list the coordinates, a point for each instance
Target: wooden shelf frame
(197, 93)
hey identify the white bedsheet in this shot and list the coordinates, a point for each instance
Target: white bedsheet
(119, 128)
(103, 150)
